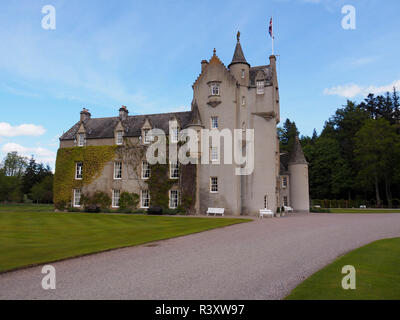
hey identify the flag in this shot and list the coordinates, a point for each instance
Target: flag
(270, 29)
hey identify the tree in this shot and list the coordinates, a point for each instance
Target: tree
(377, 150)
(43, 191)
(14, 164)
(34, 173)
(287, 135)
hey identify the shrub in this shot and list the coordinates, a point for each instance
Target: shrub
(320, 210)
(92, 208)
(128, 201)
(155, 210)
(72, 209)
(60, 205)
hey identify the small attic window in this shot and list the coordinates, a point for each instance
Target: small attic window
(214, 88)
(119, 138)
(260, 86)
(81, 139)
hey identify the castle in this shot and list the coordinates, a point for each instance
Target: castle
(235, 97)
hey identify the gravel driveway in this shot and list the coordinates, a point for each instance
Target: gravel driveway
(262, 259)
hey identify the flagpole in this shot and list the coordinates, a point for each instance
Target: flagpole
(272, 36)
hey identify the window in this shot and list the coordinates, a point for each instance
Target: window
(115, 198)
(243, 101)
(214, 184)
(145, 198)
(214, 154)
(173, 199)
(174, 170)
(260, 87)
(78, 171)
(77, 197)
(117, 170)
(284, 182)
(214, 89)
(265, 202)
(285, 201)
(119, 137)
(214, 122)
(81, 139)
(243, 73)
(175, 135)
(145, 170)
(147, 137)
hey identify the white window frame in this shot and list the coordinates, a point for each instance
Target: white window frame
(76, 200)
(116, 194)
(174, 135)
(81, 139)
(214, 88)
(79, 171)
(174, 168)
(243, 73)
(145, 169)
(117, 170)
(212, 185)
(214, 122)
(171, 204)
(214, 154)
(142, 198)
(119, 139)
(260, 86)
(147, 139)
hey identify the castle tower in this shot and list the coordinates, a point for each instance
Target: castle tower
(239, 67)
(298, 169)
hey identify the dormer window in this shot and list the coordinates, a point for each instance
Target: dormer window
(119, 138)
(81, 139)
(174, 135)
(146, 136)
(214, 89)
(260, 87)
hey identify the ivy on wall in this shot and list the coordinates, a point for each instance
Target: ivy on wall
(94, 159)
(159, 185)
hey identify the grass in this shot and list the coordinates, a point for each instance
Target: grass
(31, 235)
(364, 210)
(377, 275)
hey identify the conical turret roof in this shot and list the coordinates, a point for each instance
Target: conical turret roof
(297, 155)
(238, 56)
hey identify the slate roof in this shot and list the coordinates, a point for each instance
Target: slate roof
(266, 70)
(238, 56)
(100, 128)
(297, 155)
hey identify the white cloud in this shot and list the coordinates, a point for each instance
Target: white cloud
(7, 130)
(354, 90)
(40, 154)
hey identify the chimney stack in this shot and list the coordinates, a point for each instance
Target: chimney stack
(123, 113)
(85, 115)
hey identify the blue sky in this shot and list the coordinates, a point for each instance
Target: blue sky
(146, 55)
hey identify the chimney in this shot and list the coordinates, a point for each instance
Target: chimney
(85, 115)
(123, 113)
(203, 64)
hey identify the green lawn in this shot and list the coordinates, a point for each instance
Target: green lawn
(365, 210)
(29, 235)
(377, 275)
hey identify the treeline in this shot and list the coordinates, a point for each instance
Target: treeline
(23, 179)
(357, 154)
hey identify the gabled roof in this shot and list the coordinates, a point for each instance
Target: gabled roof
(101, 128)
(297, 155)
(238, 55)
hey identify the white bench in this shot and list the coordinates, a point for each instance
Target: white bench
(288, 209)
(216, 211)
(266, 212)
